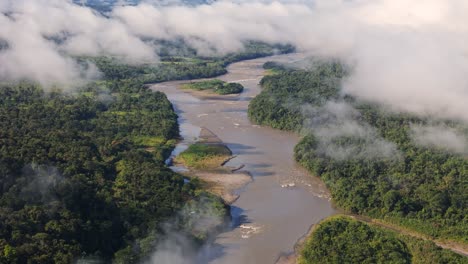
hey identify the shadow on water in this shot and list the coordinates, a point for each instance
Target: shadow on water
(227, 99)
(244, 99)
(262, 173)
(234, 110)
(239, 217)
(212, 251)
(255, 169)
(240, 149)
(260, 166)
(219, 98)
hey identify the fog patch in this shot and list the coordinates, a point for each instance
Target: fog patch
(41, 39)
(441, 137)
(39, 183)
(342, 135)
(188, 238)
(409, 55)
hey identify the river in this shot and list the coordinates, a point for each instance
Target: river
(284, 200)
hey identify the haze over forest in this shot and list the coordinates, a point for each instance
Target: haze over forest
(409, 55)
(96, 98)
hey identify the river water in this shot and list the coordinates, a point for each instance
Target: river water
(284, 200)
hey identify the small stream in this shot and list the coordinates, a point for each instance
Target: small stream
(284, 200)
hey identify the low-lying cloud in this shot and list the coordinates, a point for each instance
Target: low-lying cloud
(337, 121)
(409, 55)
(198, 217)
(441, 137)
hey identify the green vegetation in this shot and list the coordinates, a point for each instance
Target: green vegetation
(345, 240)
(424, 189)
(216, 86)
(420, 187)
(164, 71)
(272, 67)
(180, 63)
(84, 175)
(204, 216)
(279, 104)
(204, 156)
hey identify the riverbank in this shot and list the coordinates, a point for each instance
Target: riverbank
(418, 242)
(293, 257)
(361, 185)
(347, 238)
(216, 178)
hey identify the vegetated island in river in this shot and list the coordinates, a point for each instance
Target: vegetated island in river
(381, 172)
(206, 161)
(82, 172)
(214, 86)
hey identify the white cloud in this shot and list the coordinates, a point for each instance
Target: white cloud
(441, 137)
(338, 120)
(409, 54)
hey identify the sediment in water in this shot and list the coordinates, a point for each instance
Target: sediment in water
(279, 215)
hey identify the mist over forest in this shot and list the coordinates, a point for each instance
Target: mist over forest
(378, 99)
(399, 50)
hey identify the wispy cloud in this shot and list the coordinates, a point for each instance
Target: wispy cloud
(410, 55)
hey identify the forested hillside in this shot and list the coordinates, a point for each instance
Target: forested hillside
(369, 158)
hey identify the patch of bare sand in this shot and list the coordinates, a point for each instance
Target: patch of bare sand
(223, 183)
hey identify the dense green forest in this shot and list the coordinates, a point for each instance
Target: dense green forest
(82, 172)
(279, 105)
(345, 240)
(84, 175)
(215, 86)
(379, 171)
(180, 63)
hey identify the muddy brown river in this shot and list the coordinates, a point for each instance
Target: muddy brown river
(284, 200)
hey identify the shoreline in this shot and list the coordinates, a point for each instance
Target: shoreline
(259, 151)
(227, 181)
(223, 181)
(222, 184)
(293, 257)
